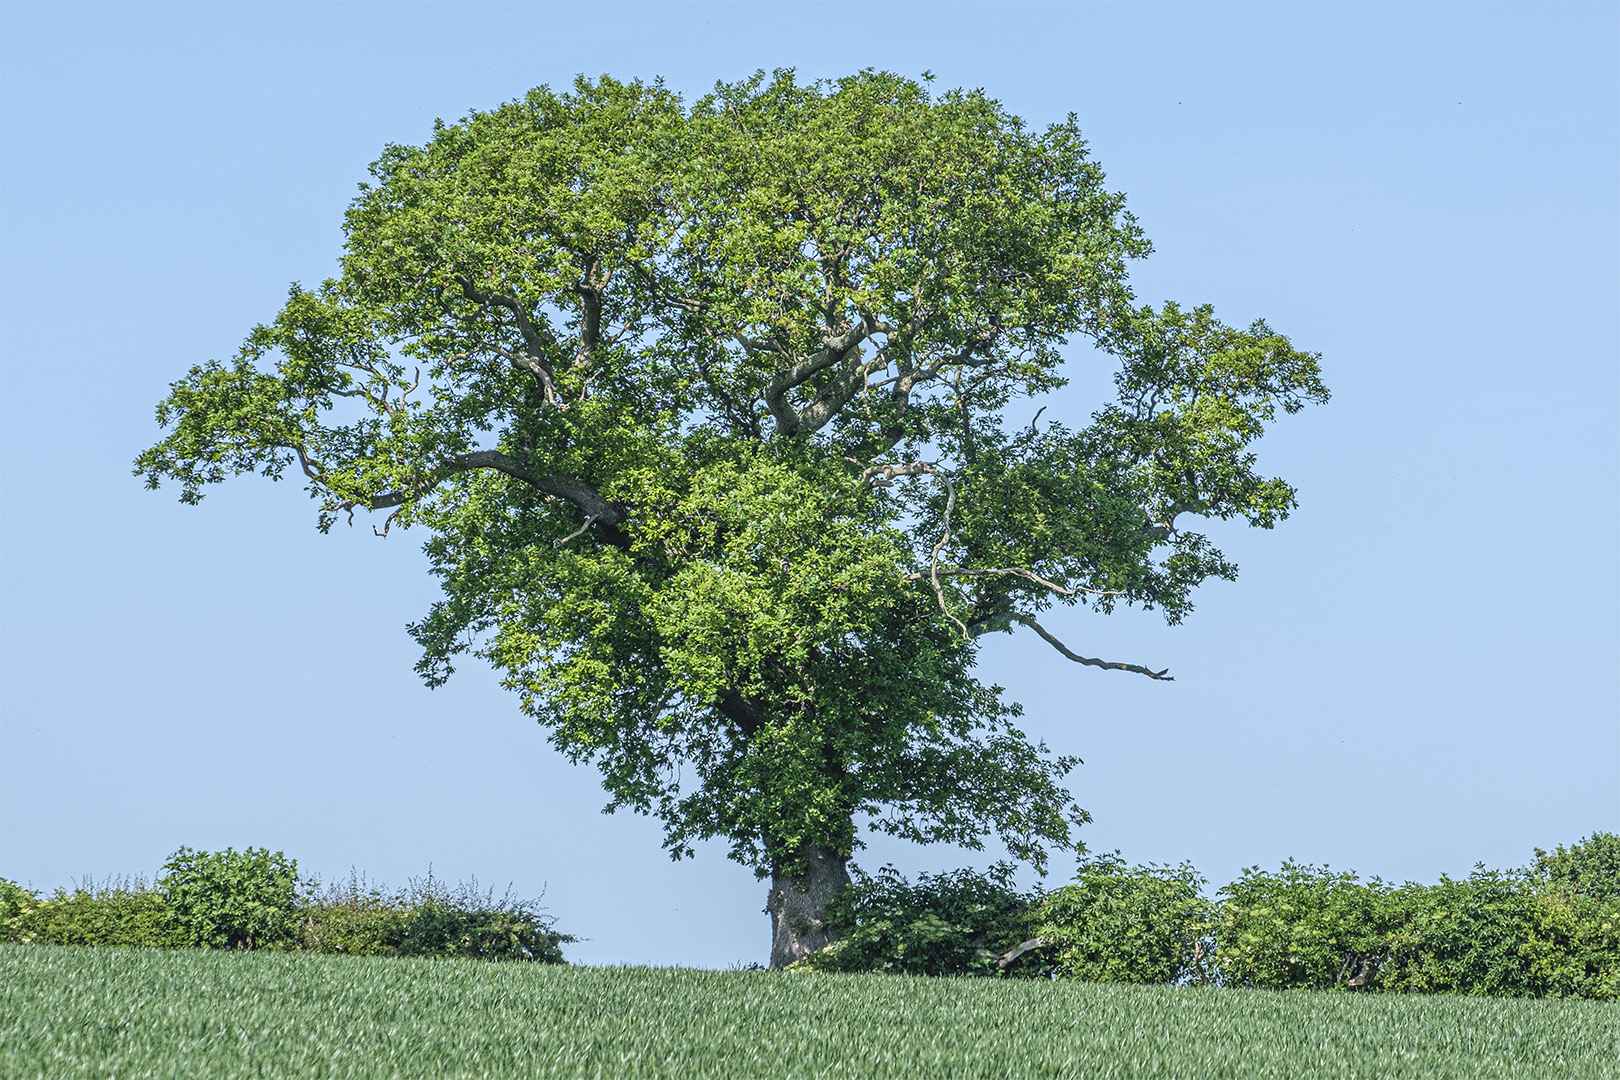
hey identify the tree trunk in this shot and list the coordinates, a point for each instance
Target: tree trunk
(798, 905)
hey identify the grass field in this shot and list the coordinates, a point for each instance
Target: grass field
(67, 1012)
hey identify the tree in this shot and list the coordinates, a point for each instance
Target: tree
(712, 415)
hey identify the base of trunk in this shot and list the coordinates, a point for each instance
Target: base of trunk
(798, 906)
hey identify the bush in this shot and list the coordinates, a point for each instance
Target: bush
(230, 899)
(1494, 933)
(958, 923)
(357, 919)
(117, 913)
(1463, 936)
(1574, 944)
(1590, 868)
(254, 899)
(1143, 924)
(428, 919)
(1573, 948)
(1552, 930)
(1303, 927)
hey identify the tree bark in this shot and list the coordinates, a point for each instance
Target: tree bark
(798, 906)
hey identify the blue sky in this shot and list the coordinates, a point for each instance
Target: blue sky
(1419, 670)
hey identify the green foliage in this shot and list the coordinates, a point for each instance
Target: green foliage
(956, 923)
(231, 899)
(254, 900)
(1302, 927)
(428, 919)
(711, 412)
(1590, 868)
(117, 913)
(1573, 948)
(1495, 933)
(1141, 924)
(83, 1014)
(1461, 936)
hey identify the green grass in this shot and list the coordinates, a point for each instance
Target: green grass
(69, 1012)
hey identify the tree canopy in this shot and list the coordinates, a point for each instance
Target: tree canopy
(717, 417)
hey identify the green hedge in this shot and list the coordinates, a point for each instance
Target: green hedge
(1141, 924)
(1549, 930)
(129, 914)
(254, 899)
(428, 919)
(957, 923)
(1497, 933)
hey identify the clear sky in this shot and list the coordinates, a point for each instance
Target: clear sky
(1418, 671)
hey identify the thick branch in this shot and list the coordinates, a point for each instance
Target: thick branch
(529, 360)
(831, 400)
(606, 516)
(774, 393)
(1087, 660)
(592, 282)
(1004, 961)
(748, 716)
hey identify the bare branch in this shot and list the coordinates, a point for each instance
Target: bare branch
(756, 345)
(933, 556)
(884, 475)
(598, 510)
(312, 469)
(1014, 953)
(1004, 960)
(541, 373)
(388, 523)
(1087, 660)
(577, 533)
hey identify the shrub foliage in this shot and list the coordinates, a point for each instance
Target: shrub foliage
(1551, 930)
(958, 923)
(254, 899)
(130, 914)
(231, 899)
(1139, 924)
(428, 919)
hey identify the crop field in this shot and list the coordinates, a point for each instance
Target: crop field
(70, 1012)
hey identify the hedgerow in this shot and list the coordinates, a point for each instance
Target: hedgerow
(1549, 930)
(957, 923)
(254, 899)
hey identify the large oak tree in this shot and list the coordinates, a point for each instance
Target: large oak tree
(717, 418)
